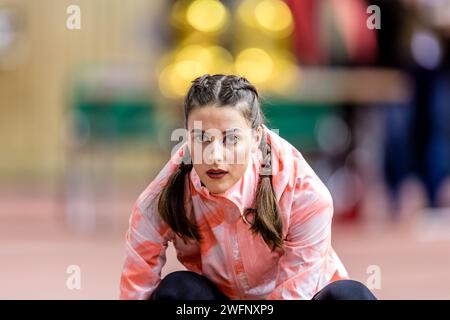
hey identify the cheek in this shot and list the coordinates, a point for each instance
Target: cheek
(238, 171)
(241, 153)
(195, 153)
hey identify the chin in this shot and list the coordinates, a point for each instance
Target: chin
(218, 187)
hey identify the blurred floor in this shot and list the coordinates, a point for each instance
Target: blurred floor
(36, 249)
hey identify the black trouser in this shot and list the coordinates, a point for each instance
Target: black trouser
(187, 285)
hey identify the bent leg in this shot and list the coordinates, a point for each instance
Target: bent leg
(344, 290)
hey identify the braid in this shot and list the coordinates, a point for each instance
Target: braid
(266, 216)
(266, 149)
(202, 82)
(185, 168)
(171, 203)
(242, 83)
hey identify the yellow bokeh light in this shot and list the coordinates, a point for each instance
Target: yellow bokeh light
(175, 79)
(274, 16)
(215, 59)
(189, 62)
(189, 69)
(222, 60)
(273, 70)
(207, 15)
(193, 52)
(255, 64)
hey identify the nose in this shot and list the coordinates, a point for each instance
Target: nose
(214, 152)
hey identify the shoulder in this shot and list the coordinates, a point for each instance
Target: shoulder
(288, 164)
(146, 205)
(290, 168)
(298, 188)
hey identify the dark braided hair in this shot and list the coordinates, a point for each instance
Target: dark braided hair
(225, 90)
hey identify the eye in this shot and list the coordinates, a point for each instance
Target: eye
(201, 137)
(231, 138)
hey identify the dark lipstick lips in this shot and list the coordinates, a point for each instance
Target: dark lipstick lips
(216, 171)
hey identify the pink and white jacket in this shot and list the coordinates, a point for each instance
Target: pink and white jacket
(237, 261)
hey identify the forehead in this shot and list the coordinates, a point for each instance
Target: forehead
(220, 118)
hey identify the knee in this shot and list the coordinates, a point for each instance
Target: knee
(173, 285)
(183, 285)
(345, 290)
(178, 278)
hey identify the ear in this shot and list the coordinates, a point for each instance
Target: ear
(256, 138)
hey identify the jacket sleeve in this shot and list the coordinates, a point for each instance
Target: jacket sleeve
(304, 267)
(145, 256)
(146, 239)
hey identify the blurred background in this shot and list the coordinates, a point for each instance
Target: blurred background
(90, 91)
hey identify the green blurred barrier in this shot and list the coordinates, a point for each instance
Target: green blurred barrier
(297, 121)
(116, 118)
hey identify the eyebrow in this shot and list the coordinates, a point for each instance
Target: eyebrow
(223, 132)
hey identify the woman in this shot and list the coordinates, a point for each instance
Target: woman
(247, 215)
